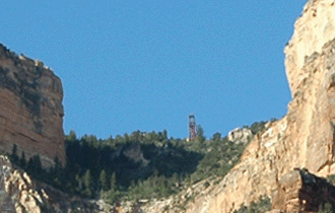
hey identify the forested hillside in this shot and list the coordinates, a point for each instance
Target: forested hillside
(136, 166)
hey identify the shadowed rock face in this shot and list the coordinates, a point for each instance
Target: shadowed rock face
(31, 110)
(301, 191)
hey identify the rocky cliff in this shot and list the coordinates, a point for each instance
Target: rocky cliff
(305, 137)
(31, 111)
(20, 193)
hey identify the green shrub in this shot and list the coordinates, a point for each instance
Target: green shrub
(331, 179)
(326, 208)
(262, 205)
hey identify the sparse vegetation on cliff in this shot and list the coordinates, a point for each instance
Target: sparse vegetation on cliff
(260, 206)
(326, 208)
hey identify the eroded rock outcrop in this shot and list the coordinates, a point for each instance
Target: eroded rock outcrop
(31, 111)
(239, 135)
(301, 191)
(20, 193)
(305, 137)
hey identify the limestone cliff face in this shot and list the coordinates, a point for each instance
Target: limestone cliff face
(312, 30)
(31, 111)
(305, 137)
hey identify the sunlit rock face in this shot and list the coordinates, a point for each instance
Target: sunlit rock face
(31, 110)
(304, 138)
(312, 30)
(239, 135)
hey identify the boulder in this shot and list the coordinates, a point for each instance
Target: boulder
(239, 135)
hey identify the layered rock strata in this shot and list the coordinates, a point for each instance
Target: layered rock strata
(31, 110)
(305, 137)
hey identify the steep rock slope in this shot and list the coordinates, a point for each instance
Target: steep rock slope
(31, 111)
(313, 29)
(304, 138)
(20, 193)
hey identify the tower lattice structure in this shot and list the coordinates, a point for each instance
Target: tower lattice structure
(192, 126)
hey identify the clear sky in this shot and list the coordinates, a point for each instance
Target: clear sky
(146, 65)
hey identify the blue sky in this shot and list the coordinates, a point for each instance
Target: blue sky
(129, 65)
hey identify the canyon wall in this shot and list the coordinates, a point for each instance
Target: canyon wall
(305, 137)
(31, 110)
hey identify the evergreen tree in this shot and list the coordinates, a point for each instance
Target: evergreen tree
(79, 183)
(72, 136)
(126, 137)
(165, 133)
(113, 182)
(30, 165)
(88, 183)
(217, 136)
(34, 167)
(38, 164)
(103, 180)
(58, 164)
(135, 136)
(174, 179)
(200, 134)
(14, 156)
(326, 208)
(23, 161)
(57, 172)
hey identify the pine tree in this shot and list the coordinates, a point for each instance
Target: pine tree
(14, 156)
(200, 134)
(103, 180)
(217, 136)
(79, 183)
(72, 136)
(58, 173)
(23, 161)
(113, 182)
(174, 180)
(165, 133)
(88, 183)
(38, 164)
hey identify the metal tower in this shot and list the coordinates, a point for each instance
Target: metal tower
(191, 125)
